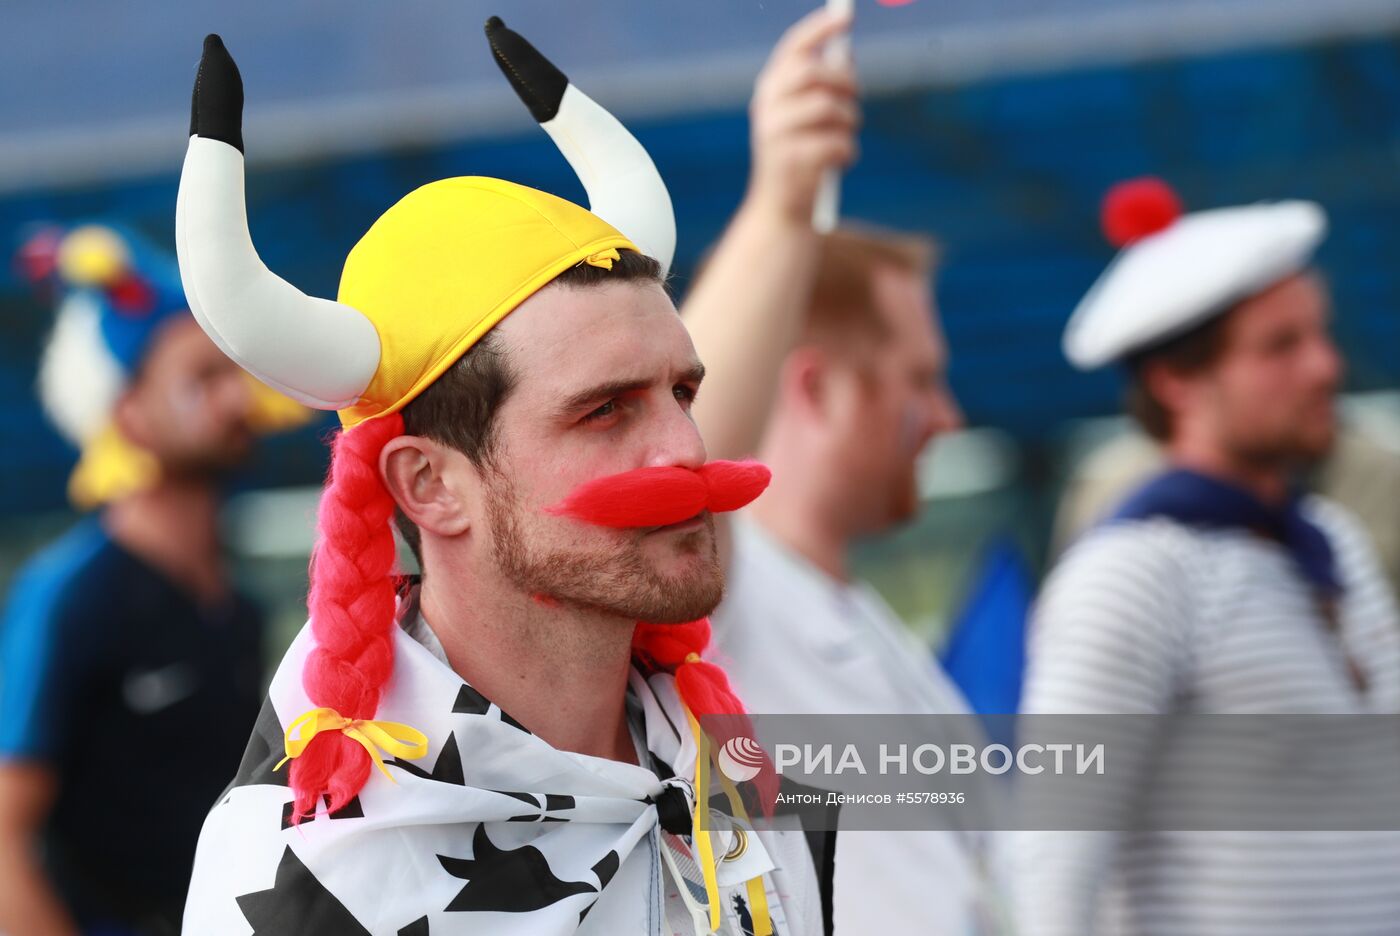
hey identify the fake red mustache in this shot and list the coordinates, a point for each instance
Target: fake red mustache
(661, 496)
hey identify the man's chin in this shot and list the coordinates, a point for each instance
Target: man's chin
(674, 589)
(681, 612)
(902, 509)
(212, 462)
(204, 471)
(1314, 446)
(676, 607)
(685, 593)
(1299, 451)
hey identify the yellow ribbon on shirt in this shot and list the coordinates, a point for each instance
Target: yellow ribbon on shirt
(700, 836)
(397, 739)
(758, 898)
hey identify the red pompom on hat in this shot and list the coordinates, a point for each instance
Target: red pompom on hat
(1138, 208)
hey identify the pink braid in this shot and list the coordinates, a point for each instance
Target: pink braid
(703, 687)
(352, 613)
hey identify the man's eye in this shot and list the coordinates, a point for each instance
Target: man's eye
(607, 409)
(685, 394)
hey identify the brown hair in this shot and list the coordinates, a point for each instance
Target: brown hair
(843, 300)
(1188, 353)
(459, 408)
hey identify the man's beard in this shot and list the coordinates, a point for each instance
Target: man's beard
(902, 504)
(210, 466)
(620, 582)
(210, 459)
(1301, 445)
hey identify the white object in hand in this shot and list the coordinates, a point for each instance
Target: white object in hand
(827, 207)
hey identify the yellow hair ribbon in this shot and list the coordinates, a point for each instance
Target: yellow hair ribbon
(398, 739)
(603, 258)
(700, 836)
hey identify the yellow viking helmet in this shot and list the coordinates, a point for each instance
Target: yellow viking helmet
(433, 274)
(447, 263)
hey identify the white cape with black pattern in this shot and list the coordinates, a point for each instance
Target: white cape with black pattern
(493, 832)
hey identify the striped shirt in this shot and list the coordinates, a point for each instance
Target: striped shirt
(1152, 617)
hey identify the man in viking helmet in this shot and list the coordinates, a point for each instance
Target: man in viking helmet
(514, 745)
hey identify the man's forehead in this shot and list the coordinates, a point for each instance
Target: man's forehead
(906, 305)
(574, 336)
(1304, 294)
(180, 339)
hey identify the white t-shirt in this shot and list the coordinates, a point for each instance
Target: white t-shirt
(794, 640)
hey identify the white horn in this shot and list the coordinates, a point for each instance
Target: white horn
(318, 352)
(623, 186)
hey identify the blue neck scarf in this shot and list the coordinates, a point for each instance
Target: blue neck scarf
(1194, 499)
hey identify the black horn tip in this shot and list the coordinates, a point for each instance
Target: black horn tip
(535, 78)
(216, 108)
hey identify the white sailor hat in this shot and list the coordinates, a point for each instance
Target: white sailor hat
(1176, 271)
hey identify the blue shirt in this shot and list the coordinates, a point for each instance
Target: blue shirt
(139, 698)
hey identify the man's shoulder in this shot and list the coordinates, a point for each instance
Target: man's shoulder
(1357, 559)
(63, 580)
(1157, 543)
(765, 582)
(50, 631)
(762, 566)
(1128, 563)
(1343, 528)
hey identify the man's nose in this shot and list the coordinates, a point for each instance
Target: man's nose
(235, 395)
(951, 415)
(676, 440)
(942, 413)
(1328, 363)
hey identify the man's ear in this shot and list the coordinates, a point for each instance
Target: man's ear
(1173, 390)
(803, 379)
(129, 417)
(432, 483)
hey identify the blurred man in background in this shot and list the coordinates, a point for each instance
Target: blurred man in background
(1214, 588)
(129, 663)
(826, 362)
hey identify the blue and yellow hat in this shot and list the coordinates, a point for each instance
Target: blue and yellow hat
(113, 291)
